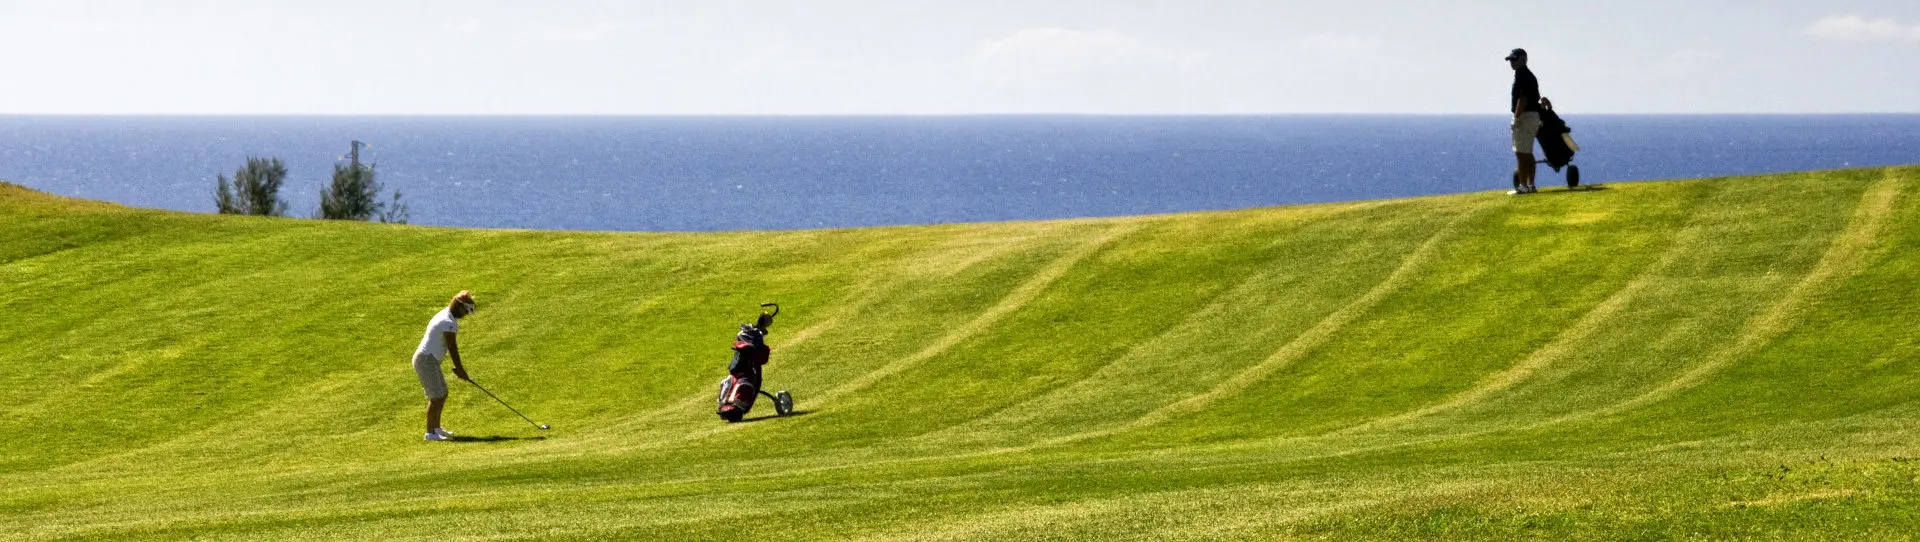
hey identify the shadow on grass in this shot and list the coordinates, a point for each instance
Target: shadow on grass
(1560, 192)
(774, 416)
(495, 438)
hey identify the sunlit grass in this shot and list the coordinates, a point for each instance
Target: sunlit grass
(1713, 358)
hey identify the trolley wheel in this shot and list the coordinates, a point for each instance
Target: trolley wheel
(783, 403)
(1573, 176)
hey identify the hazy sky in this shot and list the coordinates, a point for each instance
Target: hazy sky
(951, 57)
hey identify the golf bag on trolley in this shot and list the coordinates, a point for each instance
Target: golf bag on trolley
(742, 386)
(1556, 142)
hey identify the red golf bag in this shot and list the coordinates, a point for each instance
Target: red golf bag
(741, 387)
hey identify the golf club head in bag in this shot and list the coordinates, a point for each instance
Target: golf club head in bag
(766, 318)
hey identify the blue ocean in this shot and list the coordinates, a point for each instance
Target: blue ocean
(734, 173)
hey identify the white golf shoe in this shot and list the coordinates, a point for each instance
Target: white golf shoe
(442, 431)
(437, 437)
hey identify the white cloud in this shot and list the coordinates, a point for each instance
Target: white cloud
(466, 26)
(1328, 44)
(1855, 28)
(579, 34)
(1057, 54)
(1695, 55)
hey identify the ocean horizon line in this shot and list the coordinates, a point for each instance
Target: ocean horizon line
(695, 173)
(4, 115)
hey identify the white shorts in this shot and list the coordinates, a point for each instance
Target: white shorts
(431, 381)
(1525, 127)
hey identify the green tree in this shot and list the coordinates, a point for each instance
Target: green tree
(224, 200)
(354, 194)
(254, 190)
(396, 212)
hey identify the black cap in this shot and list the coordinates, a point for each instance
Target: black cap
(1517, 53)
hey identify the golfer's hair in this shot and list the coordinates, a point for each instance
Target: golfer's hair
(462, 297)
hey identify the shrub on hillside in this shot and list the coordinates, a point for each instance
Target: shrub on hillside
(254, 190)
(354, 195)
(396, 212)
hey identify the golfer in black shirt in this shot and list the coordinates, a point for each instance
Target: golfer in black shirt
(1526, 119)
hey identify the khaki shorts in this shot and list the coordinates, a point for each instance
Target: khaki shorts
(428, 369)
(1525, 127)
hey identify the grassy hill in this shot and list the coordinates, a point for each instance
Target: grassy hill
(1711, 358)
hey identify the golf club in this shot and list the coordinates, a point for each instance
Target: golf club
(542, 426)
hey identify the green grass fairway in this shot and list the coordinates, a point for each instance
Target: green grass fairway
(1721, 358)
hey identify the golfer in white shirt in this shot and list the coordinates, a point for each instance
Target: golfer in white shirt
(438, 344)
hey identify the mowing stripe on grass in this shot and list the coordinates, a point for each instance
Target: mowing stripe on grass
(1221, 302)
(1113, 386)
(1300, 346)
(1415, 261)
(1013, 301)
(1562, 345)
(128, 362)
(1308, 340)
(881, 284)
(1845, 257)
(134, 458)
(319, 443)
(1212, 513)
(862, 296)
(877, 285)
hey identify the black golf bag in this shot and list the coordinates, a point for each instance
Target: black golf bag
(1556, 141)
(741, 387)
